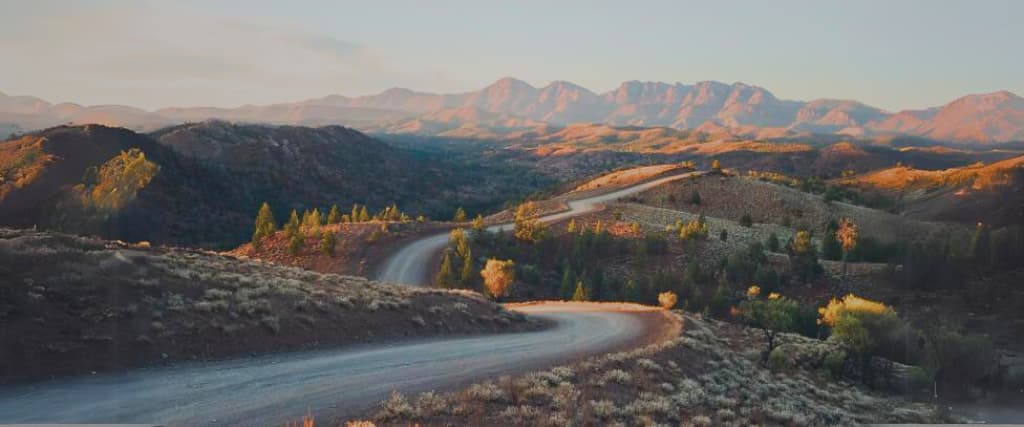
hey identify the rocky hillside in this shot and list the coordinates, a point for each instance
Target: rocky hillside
(992, 193)
(201, 184)
(74, 305)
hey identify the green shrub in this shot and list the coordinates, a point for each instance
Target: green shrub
(960, 360)
(773, 242)
(918, 380)
(746, 220)
(778, 359)
(835, 363)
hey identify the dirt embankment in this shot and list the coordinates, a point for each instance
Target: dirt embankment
(73, 305)
(358, 246)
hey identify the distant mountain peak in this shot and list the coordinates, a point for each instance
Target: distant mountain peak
(511, 83)
(738, 106)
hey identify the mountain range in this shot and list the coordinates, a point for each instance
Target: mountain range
(511, 105)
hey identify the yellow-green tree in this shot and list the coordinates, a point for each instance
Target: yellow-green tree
(581, 292)
(773, 315)
(328, 242)
(266, 225)
(859, 323)
(293, 231)
(478, 224)
(444, 276)
(460, 215)
(498, 277)
(528, 227)
(334, 215)
(803, 257)
(311, 221)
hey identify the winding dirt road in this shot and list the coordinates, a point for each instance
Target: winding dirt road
(267, 390)
(270, 389)
(412, 263)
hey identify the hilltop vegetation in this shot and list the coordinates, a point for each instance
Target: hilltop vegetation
(199, 184)
(73, 305)
(700, 243)
(709, 376)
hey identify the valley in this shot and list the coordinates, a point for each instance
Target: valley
(287, 317)
(561, 214)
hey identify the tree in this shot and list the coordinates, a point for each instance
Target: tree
(364, 215)
(716, 166)
(457, 239)
(328, 242)
(566, 288)
(693, 230)
(293, 227)
(580, 294)
(334, 215)
(847, 236)
(266, 225)
(695, 198)
(860, 324)
(773, 315)
(631, 292)
(773, 242)
(478, 225)
(958, 360)
(466, 274)
(498, 277)
(831, 248)
(723, 235)
(460, 215)
(746, 220)
(443, 278)
(311, 221)
(803, 258)
(667, 300)
(719, 304)
(571, 226)
(295, 243)
(527, 223)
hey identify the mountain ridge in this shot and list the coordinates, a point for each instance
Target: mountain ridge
(976, 118)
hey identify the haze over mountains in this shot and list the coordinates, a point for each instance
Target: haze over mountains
(513, 105)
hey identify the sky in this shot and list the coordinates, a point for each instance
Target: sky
(891, 54)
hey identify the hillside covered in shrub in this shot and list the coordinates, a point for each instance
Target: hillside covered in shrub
(200, 184)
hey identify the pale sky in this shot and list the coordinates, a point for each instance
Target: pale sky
(890, 54)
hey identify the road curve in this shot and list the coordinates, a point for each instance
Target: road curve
(269, 389)
(411, 264)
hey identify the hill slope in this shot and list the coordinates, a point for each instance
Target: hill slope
(74, 305)
(992, 194)
(200, 184)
